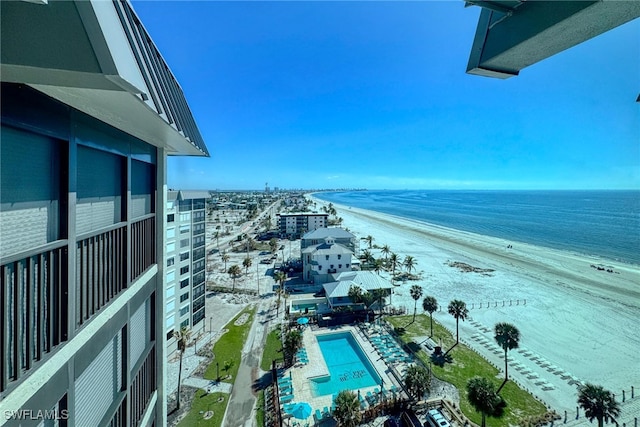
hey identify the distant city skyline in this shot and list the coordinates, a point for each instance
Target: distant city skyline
(375, 95)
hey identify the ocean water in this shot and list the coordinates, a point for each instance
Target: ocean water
(600, 223)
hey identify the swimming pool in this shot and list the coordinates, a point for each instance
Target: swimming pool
(349, 368)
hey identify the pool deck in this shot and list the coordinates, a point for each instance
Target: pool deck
(301, 374)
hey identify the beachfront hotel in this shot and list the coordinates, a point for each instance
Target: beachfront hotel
(186, 258)
(90, 111)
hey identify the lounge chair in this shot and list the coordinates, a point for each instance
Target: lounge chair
(287, 398)
(318, 415)
(325, 412)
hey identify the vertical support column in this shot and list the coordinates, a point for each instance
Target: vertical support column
(128, 247)
(160, 300)
(69, 300)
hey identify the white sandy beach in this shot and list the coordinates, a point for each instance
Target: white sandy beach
(577, 321)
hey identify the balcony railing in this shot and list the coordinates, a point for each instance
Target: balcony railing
(143, 245)
(33, 319)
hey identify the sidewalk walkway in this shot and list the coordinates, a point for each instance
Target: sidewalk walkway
(211, 386)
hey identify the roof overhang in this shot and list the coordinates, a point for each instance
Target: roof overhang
(512, 35)
(96, 57)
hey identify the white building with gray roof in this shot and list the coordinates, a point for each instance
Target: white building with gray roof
(322, 261)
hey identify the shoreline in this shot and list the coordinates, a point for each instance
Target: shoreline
(578, 318)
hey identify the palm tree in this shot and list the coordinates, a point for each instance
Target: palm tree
(355, 293)
(507, 336)
(394, 261)
(377, 265)
(458, 309)
(182, 336)
(416, 293)
(347, 412)
(234, 271)
(246, 263)
(280, 277)
(417, 381)
(598, 403)
(216, 236)
(386, 251)
(292, 343)
(482, 396)
(225, 258)
(430, 305)
(369, 240)
(409, 263)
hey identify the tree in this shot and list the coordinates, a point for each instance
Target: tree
(430, 305)
(347, 412)
(369, 240)
(378, 265)
(273, 245)
(355, 294)
(216, 236)
(416, 293)
(280, 277)
(598, 404)
(292, 343)
(417, 381)
(234, 271)
(246, 263)
(409, 263)
(394, 261)
(483, 397)
(458, 309)
(225, 259)
(182, 336)
(507, 336)
(386, 251)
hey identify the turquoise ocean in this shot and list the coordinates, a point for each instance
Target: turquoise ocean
(597, 223)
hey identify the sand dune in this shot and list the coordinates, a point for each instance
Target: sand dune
(577, 323)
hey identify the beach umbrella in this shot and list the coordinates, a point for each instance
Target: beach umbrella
(303, 321)
(300, 410)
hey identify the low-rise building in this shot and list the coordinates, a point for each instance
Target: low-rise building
(340, 235)
(294, 225)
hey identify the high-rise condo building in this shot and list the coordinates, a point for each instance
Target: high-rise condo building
(186, 261)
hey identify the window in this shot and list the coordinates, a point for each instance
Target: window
(185, 217)
(171, 247)
(184, 243)
(171, 232)
(171, 276)
(319, 267)
(339, 265)
(184, 310)
(331, 266)
(184, 283)
(184, 229)
(184, 255)
(184, 270)
(185, 323)
(170, 261)
(170, 321)
(339, 256)
(171, 291)
(169, 334)
(346, 265)
(171, 218)
(326, 257)
(184, 297)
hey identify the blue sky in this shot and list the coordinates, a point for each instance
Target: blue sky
(375, 95)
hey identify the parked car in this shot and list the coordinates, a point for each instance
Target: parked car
(435, 418)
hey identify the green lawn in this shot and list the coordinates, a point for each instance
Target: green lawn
(467, 364)
(229, 348)
(203, 402)
(272, 349)
(260, 409)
